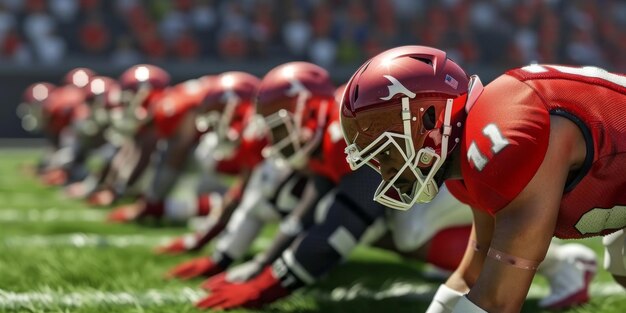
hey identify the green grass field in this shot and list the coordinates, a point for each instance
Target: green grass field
(58, 255)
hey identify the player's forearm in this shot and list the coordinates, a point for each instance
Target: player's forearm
(280, 243)
(162, 183)
(145, 152)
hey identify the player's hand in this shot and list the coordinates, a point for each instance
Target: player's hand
(261, 290)
(103, 197)
(54, 177)
(179, 245)
(76, 190)
(203, 266)
(215, 282)
(125, 213)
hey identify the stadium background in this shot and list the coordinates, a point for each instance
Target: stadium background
(53, 246)
(41, 40)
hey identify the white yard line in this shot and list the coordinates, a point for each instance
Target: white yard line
(51, 215)
(83, 240)
(55, 299)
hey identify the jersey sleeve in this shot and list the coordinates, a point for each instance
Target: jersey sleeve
(332, 163)
(506, 139)
(458, 190)
(252, 151)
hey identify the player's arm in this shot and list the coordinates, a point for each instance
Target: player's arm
(299, 219)
(173, 160)
(523, 230)
(145, 141)
(466, 274)
(220, 216)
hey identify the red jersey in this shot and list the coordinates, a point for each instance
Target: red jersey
(64, 106)
(331, 162)
(179, 100)
(506, 138)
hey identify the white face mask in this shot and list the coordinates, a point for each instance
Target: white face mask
(424, 188)
(302, 141)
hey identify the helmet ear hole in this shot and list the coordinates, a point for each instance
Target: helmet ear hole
(428, 118)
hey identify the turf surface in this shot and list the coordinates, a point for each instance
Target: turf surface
(58, 255)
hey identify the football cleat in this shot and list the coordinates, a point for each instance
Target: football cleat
(571, 277)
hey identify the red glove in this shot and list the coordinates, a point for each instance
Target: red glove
(137, 210)
(215, 282)
(124, 213)
(204, 266)
(75, 190)
(261, 290)
(179, 245)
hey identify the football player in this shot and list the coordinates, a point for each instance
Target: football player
(131, 129)
(101, 96)
(77, 79)
(537, 153)
(173, 122)
(61, 111)
(30, 112)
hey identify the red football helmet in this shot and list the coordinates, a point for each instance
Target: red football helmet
(141, 86)
(170, 110)
(79, 77)
(411, 99)
(29, 110)
(103, 95)
(294, 100)
(228, 105)
(64, 106)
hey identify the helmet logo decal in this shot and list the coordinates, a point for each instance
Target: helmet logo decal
(395, 88)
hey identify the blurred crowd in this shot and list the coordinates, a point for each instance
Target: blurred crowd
(326, 32)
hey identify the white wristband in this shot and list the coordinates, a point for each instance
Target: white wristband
(464, 305)
(444, 300)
